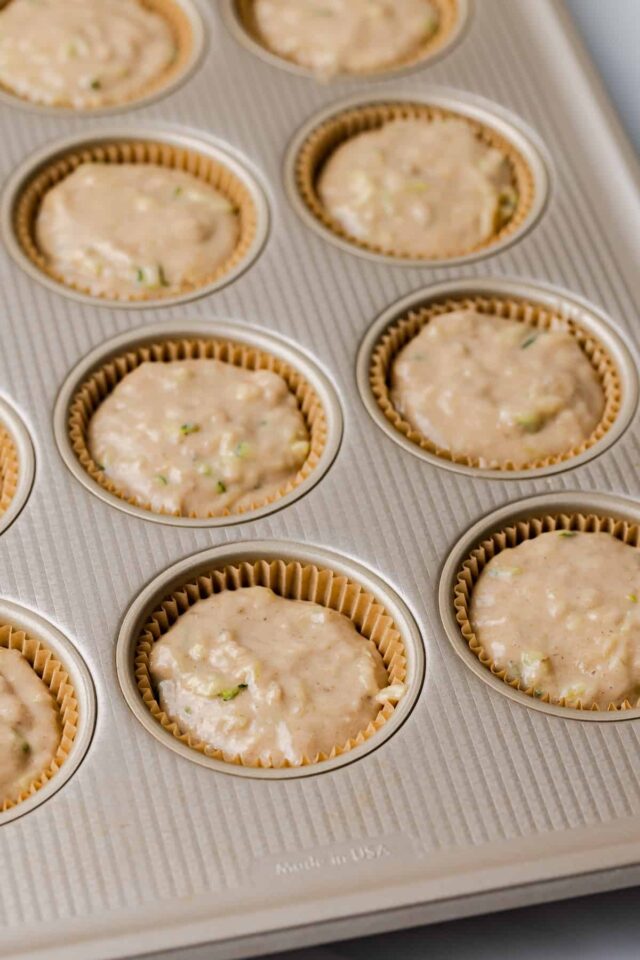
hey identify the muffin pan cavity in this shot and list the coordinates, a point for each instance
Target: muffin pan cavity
(320, 136)
(537, 305)
(292, 570)
(453, 16)
(95, 377)
(189, 35)
(507, 527)
(17, 465)
(59, 665)
(202, 157)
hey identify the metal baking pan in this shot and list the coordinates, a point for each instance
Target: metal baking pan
(476, 801)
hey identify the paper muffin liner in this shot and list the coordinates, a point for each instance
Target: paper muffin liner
(180, 26)
(510, 536)
(102, 381)
(204, 167)
(9, 468)
(448, 16)
(292, 580)
(56, 678)
(332, 133)
(401, 331)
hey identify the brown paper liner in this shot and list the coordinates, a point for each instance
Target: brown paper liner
(292, 580)
(401, 331)
(200, 165)
(99, 385)
(511, 536)
(329, 135)
(9, 468)
(56, 678)
(180, 26)
(447, 20)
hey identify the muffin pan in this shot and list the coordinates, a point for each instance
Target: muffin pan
(188, 29)
(472, 795)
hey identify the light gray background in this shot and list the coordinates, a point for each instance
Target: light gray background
(611, 30)
(605, 927)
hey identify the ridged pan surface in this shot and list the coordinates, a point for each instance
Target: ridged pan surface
(142, 850)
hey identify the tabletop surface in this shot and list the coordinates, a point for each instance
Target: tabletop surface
(604, 927)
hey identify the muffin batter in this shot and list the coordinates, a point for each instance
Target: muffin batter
(135, 230)
(418, 188)
(496, 390)
(199, 437)
(82, 53)
(269, 679)
(560, 613)
(29, 725)
(345, 36)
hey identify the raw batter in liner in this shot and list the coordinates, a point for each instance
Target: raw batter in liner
(82, 53)
(345, 36)
(29, 725)
(496, 390)
(199, 437)
(135, 229)
(269, 679)
(560, 614)
(419, 188)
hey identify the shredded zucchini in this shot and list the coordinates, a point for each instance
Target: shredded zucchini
(188, 428)
(530, 422)
(243, 449)
(504, 573)
(232, 692)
